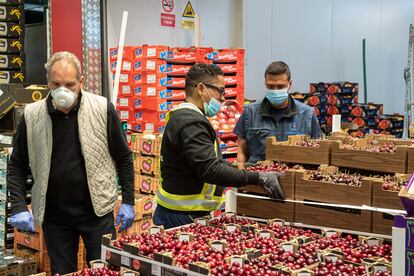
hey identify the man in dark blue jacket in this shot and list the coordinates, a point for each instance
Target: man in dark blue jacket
(278, 114)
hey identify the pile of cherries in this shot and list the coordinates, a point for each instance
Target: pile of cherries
(391, 183)
(239, 243)
(374, 147)
(310, 143)
(338, 268)
(105, 271)
(276, 167)
(337, 178)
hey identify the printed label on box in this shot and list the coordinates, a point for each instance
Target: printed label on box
(156, 270)
(151, 78)
(151, 91)
(124, 115)
(126, 65)
(126, 89)
(151, 52)
(151, 64)
(125, 261)
(124, 102)
(124, 78)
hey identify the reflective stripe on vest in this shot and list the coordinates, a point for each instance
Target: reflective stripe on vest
(205, 201)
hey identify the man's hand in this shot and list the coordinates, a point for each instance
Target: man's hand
(126, 215)
(270, 183)
(23, 221)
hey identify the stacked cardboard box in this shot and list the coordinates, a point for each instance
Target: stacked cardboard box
(32, 246)
(6, 230)
(152, 80)
(12, 56)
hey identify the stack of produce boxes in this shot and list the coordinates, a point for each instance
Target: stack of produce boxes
(146, 152)
(333, 98)
(152, 82)
(12, 57)
(32, 246)
(391, 124)
(6, 230)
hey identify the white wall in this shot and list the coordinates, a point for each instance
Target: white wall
(221, 23)
(321, 40)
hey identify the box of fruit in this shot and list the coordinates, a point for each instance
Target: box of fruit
(330, 185)
(299, 149)
(286, 181)
(385, 191)
(371, 155)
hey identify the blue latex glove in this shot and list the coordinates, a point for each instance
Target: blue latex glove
(126, 215)
(23, 221)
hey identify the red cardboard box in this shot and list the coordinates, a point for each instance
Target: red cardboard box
(150, 51)
(173, 82)
(128, 53)
(226, 55)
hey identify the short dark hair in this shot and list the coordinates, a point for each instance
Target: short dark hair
(201, 73)
(278, 68)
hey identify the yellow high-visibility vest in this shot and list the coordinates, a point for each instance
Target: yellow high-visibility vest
(204, 201)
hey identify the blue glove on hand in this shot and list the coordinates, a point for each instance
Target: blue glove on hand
(23, 221)
(126, 214)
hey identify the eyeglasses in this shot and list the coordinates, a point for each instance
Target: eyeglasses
(221, 90)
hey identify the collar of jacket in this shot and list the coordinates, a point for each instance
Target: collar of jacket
(266, 109)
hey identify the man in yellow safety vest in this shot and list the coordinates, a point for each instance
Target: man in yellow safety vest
(190, 158)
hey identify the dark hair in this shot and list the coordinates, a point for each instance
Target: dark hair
(201, 73)
(278, 68)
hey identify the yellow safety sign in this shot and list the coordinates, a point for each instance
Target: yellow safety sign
(189, 11)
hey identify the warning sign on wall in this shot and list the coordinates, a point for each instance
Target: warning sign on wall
(167, 5)
(189, 11)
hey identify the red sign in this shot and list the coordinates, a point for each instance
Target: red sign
(167, 5)
(168, 20)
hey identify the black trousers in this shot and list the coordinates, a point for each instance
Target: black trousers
(62, 241)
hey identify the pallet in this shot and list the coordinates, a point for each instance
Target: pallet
(382, 223)
(332, 193)
(356, 220)
(284, 152)
(265, 208)
(371, 161)
(385, 199)
(287, 182)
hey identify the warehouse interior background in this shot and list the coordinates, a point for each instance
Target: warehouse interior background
(321, 40)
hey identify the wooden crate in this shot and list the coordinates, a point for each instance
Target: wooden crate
(287, 182)
(285, 152)
(382, 223)
(385, 199)
(410, 160)
(356, 220)
(371, 161)
(265, 208)
(332, 193)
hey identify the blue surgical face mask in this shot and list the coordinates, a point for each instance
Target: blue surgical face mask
(212, 107)
(277, 97)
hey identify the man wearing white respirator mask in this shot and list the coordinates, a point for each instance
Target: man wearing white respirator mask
(75, 146)
(193, 175)
(278, 114)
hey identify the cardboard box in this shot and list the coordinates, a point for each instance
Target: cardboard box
(11, 13)
(29, 94)
(226, 55)
(7, 101)
(173, 82)
(12, 76)
(146, 184)
(8, 29)
(31, 240)
(12, 61)
(11, 45)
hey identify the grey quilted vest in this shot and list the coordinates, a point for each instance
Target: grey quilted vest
(100, 167)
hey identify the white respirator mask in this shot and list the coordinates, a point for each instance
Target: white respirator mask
(63, 97)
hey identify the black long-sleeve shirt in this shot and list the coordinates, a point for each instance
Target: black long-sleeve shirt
(189, 160)
(68, 197)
